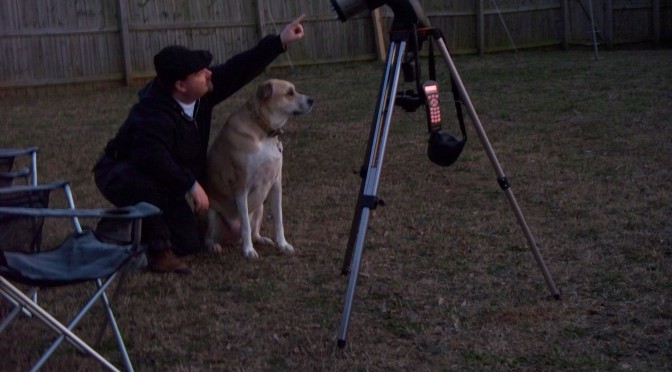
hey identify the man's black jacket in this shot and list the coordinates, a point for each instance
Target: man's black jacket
(159, 140)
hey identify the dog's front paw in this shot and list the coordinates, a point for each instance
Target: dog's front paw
(215, 248)
(285, 248)
(251, 254)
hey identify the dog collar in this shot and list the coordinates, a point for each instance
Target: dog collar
(275, 132)
(263, 124)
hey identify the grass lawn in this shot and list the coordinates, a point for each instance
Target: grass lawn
(447, 280)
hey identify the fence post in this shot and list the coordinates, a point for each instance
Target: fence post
(261, 19)
(656, 22)
(609, 23)
(480, 27)
(125, 51)
(379, 34)
(565, 21)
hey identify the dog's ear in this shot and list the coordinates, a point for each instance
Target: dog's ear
(265, 92)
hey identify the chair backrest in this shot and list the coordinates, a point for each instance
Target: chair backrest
(24, 233)
(6, 164)
(9, 172)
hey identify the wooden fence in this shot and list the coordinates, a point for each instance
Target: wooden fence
(56, 42)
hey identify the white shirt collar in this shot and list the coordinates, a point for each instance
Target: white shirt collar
(188, 108)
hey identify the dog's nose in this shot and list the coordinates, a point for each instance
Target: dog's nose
(310, 101)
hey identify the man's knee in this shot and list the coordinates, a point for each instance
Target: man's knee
(123, 185)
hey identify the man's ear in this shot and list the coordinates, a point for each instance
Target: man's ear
(180, 86)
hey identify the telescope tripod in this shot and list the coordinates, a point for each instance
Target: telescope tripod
(370, 172)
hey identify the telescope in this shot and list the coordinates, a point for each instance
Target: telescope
(442, 148)
(405, 11)
(410, 27)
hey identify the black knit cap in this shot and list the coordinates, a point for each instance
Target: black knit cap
(176, 62)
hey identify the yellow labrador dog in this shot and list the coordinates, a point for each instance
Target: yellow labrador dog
(245, 168)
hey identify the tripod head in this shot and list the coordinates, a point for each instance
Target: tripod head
(408, 17)
(406, 12)
(410, 24)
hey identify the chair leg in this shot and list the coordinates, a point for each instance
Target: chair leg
(17, 308)
(32, 294)
(113, 323)
(36, 310)
(102, 286)
(115, 296)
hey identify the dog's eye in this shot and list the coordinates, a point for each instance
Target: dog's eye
(290, 92)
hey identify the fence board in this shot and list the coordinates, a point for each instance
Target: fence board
(633, 20)
(666, 19)
(45, 42)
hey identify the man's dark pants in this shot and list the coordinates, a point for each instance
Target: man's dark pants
(123, 185)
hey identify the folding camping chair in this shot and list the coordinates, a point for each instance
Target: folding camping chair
(81, 257)
(25, 170)
(8, 172)
(26, 233)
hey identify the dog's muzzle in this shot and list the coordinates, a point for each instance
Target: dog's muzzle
(305, 106)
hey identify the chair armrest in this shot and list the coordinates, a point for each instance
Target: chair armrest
(58, 184)
(5, 153)
(139, 210)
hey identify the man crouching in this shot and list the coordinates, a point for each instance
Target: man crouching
(159, 153)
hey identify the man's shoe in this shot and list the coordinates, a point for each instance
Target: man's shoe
(165, 261)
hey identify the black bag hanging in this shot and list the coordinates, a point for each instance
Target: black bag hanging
(444, 148)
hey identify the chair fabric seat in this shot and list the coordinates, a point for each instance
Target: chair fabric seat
(81, 257)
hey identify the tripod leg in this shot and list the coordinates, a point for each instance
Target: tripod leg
(373, 154)
(374, 160)
(503, 182)
(347, 261)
